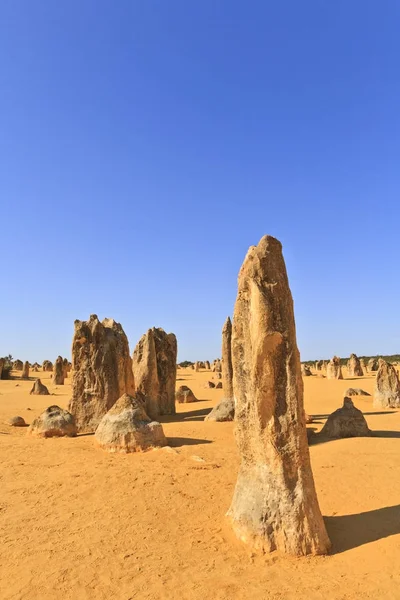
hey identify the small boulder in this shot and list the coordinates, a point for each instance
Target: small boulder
(17, 422)
(184, 395)
(39, 389)
(346, 422)
(219, 385)
(53, 422)
(209, 384)
(127, 428)
(356, 392)
(223, 411)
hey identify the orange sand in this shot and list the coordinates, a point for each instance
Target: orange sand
(78, 523)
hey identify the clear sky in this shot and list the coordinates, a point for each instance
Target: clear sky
(144, 145)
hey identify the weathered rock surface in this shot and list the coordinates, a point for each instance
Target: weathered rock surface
(65, 368)
(17, 422)
(227, 368)
(306, 371)
(354, 368)
(184, 395)
(345, 422)
(207, 365)
(154, 367)
(58, 375)
(387, 386)
(2, 362)
(25, 370)
(209, 384)
(102, 370)
(219, 385)
(319, 365)
(334, 370)
(39, 389)
(356, 392)
(373, 364)
(275, 505)
(53, 422)
(17, 365)
(127, 428)
(47, 366)
(223, 411)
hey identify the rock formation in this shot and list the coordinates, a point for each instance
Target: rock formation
(373, 364)
(154, 368)
(345, 422)
(65, 368)
(354, 368)
(102, 370)
(207, 365)
(219, 385)
(319, 365)
(2, 361)
(387, 386)
(334, 370)
(306, 371)
(209, 384)
(183, 395)
(58, 375)
(275, 505)
(17, 365)
(223, 411)
(17, 422)
(47, 366)
(127, 428)
(39, 389)
(363, 365)
(227, 369)
(53, 422)
(25, 370)
(356, 392)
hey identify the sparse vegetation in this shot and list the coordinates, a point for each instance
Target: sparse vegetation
(186, 363)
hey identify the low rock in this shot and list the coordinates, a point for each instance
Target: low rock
(17, 422)
(53, 422)
(39, 389)
(184, 395)
(127, 428)
(346, 422)
(219, 385)
(356, 392)
(223, 411)
(209, 384)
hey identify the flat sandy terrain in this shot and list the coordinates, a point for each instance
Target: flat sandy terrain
(79, 523)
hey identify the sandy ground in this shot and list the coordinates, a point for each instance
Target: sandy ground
(79, 523)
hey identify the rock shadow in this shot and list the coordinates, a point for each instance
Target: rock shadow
(190, 415)
(176, 442)
(351, 531)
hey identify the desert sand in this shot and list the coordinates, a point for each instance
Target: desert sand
(79, 523)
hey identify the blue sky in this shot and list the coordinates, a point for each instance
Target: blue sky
(146, 144)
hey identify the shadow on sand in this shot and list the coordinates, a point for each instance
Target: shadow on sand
(316, 438)
(176, 442)
(190, 415)
(351, 531)
(382, 412)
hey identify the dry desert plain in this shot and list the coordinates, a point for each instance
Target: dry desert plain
(79, 523)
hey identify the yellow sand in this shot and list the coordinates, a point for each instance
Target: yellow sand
(79, 523)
